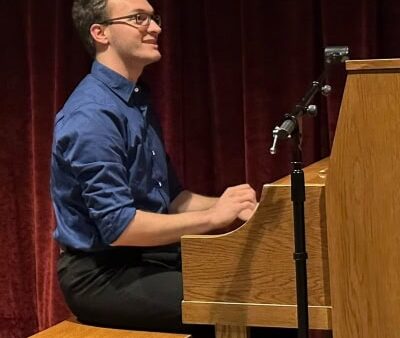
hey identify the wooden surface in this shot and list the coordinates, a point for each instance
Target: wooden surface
(381, 64)
(363, 207)
(264, 315)
(72, 329)
(254, 264)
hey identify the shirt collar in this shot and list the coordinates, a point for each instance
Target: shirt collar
(116, 82)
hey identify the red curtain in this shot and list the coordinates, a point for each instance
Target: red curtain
(230, 70)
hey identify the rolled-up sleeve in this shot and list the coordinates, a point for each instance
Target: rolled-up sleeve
(92, 145)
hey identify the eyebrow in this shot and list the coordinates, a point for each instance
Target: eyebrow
(140, 10)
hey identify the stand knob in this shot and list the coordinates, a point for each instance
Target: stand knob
(312, 110)
(326, 90)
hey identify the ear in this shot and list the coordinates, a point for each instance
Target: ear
(98, 34)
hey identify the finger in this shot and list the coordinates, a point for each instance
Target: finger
(246, 196)
(247, 209)
(238, 188)
(247, 205)
(245, 215)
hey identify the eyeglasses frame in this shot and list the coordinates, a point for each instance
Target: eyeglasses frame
(151, 17)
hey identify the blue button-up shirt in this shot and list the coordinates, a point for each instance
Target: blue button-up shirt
(108, 160)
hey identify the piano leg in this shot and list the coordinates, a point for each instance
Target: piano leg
(230, 331)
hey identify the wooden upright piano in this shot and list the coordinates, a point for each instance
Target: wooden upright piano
(247, 278)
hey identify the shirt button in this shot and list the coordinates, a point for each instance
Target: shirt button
(153, 153)
(136, 89)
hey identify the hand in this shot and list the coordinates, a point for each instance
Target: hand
(236, 202)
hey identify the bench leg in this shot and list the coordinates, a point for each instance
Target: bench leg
(230, 331)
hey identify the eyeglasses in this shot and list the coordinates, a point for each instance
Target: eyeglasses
(138, 19)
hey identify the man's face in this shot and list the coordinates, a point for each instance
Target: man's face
(132, 43)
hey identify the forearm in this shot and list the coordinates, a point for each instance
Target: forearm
(152, 229)
(187, 201)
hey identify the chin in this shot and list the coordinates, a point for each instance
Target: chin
(154, 58)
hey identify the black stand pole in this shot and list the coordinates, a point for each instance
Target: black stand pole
(300, 255)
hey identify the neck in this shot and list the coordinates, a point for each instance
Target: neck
(129, 71)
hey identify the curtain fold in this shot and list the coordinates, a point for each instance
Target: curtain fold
(230, 70)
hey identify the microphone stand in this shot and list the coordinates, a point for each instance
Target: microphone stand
(289, 128)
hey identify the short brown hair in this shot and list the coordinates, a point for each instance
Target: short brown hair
(85, 13)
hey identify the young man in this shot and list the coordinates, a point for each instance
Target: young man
(119, 208)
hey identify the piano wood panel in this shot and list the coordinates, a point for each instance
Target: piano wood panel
(363, 195)
(254, 264)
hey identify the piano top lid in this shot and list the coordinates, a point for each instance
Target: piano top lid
(314, 174)
(373, 64)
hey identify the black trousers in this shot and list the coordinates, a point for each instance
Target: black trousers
(131, 289)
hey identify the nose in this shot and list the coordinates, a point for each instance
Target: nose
(154, 27)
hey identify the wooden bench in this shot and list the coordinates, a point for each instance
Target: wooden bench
(70, 328)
